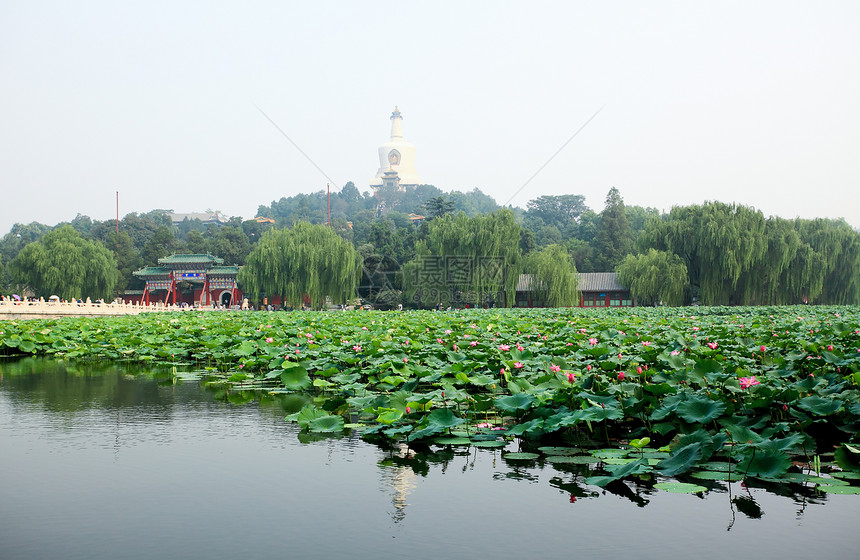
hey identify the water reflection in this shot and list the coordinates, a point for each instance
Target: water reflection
(208, 454)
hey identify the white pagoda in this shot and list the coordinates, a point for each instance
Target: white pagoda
(396, 159)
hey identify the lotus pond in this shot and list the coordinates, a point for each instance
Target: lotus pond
(642, 406)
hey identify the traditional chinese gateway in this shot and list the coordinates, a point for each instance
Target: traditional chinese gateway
(191, 279)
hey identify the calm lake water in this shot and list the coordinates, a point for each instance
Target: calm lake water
(110, 462)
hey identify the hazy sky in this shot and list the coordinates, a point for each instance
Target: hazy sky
(750, 102)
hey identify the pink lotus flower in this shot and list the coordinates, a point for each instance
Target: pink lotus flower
(763, 348)
(405, 359)
(364, 328)
(620, 376)
(357, 348)
(830, 348)
(555, 368)
(504, 347)
(502, 371)
(747, 382)
(439, 340)
(455, 348)
(519, 365)
(270, 339)
(592, 341)
(646, 343)
(674, 353)
(447, 331)
(473, 343)
(571, 377)
(241, 366)
(408, 410)
(712, 345)
(520, 348)
(588, 367)
(639, 370)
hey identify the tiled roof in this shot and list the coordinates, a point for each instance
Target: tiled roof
(588, 282)
(152, 271)
(190, 258)
(600, 282)
(223, 271)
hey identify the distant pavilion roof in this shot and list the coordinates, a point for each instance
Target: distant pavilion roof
(152, 271)
(588, 282)
(223, 271)
(205, 217)
(600, 282)
(191, 259)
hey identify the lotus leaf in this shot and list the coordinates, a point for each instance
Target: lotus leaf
(489, 444)
(700, 410)
(572, 459)
(820, 406)
(681, 460)
(524, 456)
(296, 377)
(680, 487)
(326, 424)
(513, 403)
(839, 489)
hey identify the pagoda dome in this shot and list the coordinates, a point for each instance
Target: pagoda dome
(397, 155)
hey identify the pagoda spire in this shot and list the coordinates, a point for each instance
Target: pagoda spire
(396, 125)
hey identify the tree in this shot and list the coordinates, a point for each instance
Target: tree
(161, 244)
(465, 260)
(307, 260)
(438, 206)
(231, 244)
(559, 211)
(195, 243)
(613, 239)
(65, 264)
(654, 277)
(554, 276)
(718, 242)
(128, 260)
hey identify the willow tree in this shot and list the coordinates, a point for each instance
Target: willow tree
(654, 277)
(306, 261)
(839, 247)
(65, 264)
(718, 243)
(554, 276)
(465, 260)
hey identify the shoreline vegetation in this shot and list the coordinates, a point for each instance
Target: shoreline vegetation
(704, 393)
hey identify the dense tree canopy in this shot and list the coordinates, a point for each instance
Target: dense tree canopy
(305, 261)
(736, 256)
(654, 277)
(554, 276)
(465, 260)
(733, 254)
(65, 264)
